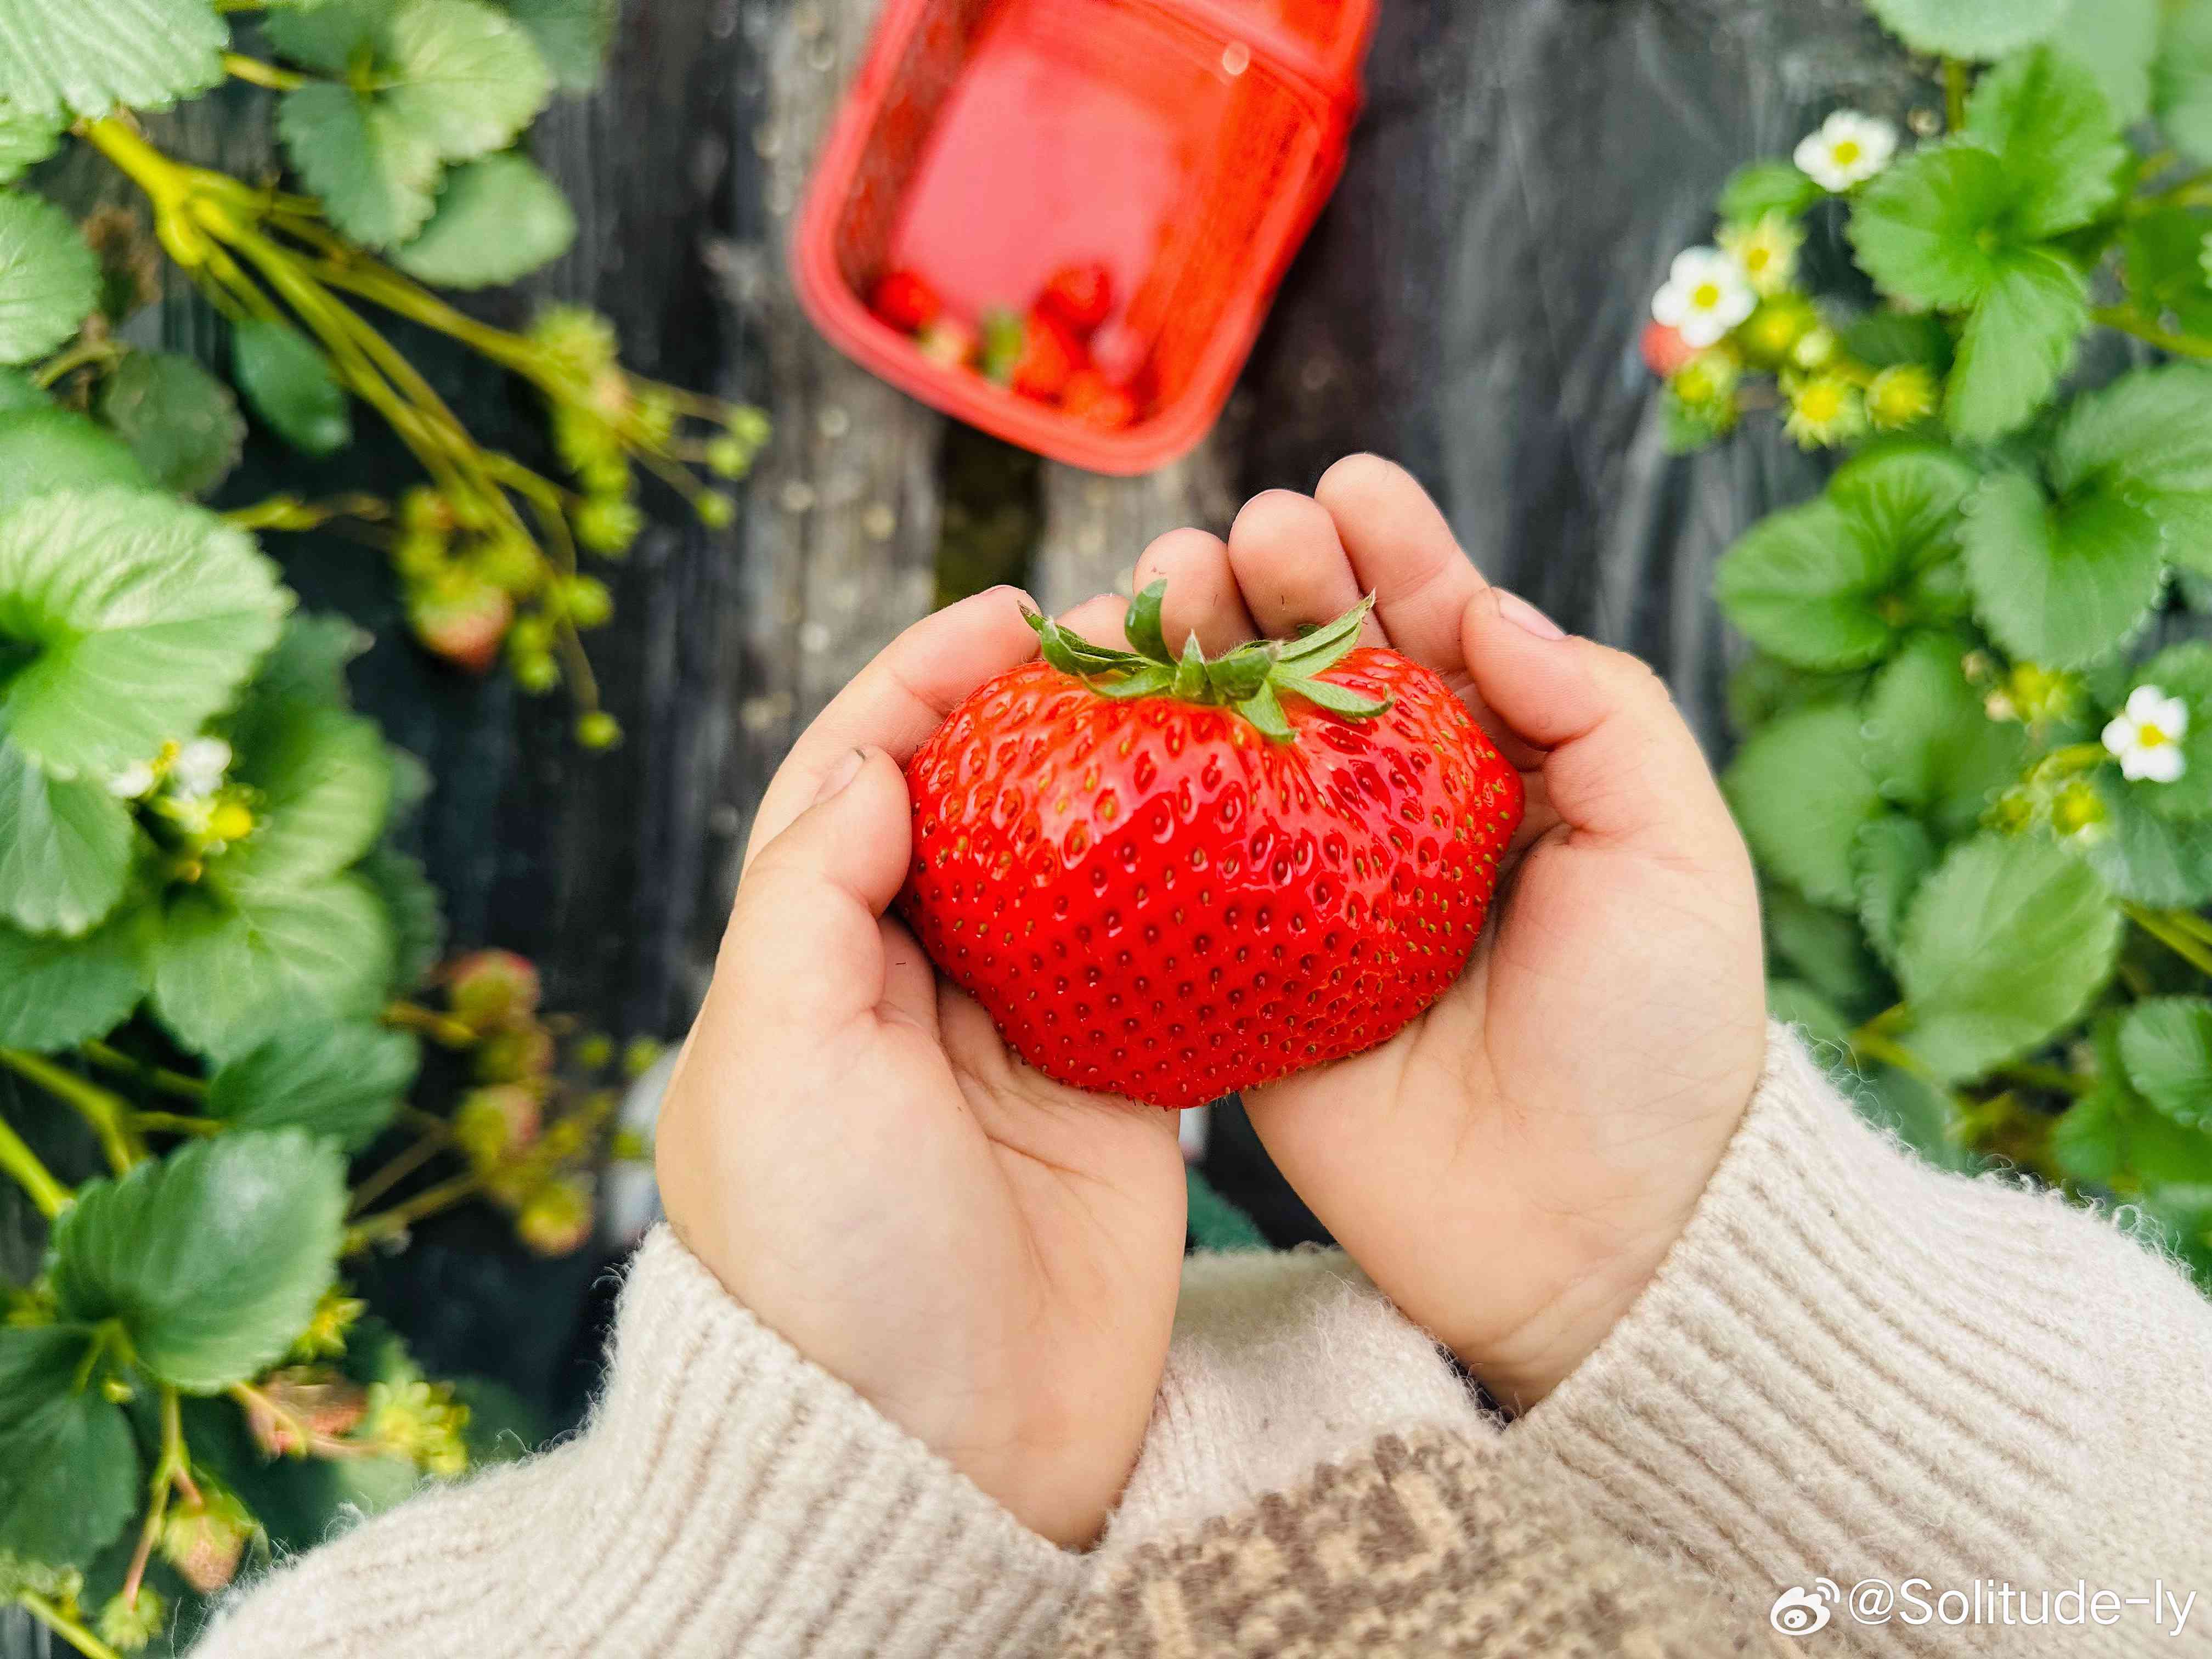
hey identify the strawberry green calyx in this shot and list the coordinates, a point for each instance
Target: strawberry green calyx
(1252, 679)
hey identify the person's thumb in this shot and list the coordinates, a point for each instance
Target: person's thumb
(804, 949)
(1620, 761)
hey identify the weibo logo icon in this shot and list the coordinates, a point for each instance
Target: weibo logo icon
(1800, 1612)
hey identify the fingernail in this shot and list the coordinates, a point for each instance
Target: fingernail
(1522, 615)
(835, 780)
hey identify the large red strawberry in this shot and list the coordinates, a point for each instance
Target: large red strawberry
(1081, 297)
(1169, 878)
(905, 299)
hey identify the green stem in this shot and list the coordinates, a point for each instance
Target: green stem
(2129, 321)
(1955, 95)
(172, 1472)
(106, 1114)
(2159, 925)
(62, 1625)
(77, 357)
(400, 1217)
(154, 1077)
(403, 1165)
(34, 1178)
(441, 1028)
(242, 67)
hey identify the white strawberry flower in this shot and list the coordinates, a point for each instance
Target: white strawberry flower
(198, 767)
(1849, 149)
(133, 781)
(1706, 294)
(2146, 736)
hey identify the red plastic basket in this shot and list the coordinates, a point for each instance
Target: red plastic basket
(1187, 144)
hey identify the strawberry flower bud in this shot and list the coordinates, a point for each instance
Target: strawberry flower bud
(491, 988)
(128, 1624)
(557, 1219)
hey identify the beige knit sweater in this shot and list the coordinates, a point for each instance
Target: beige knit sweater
(1851, 1367)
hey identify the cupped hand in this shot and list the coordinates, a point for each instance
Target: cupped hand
(988, 1257)
(1511, 1168)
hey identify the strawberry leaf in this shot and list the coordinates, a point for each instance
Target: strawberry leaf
(65, 847)
(2020, 338)
(2003, 945)
(49, 278)
(140, 616)
(497, 219)
(2045, 118)
(572, 35)
(70, 1474)
(1931, 746)
(2061, 584)
(56, 993)
(212, 1258)
(182, 423)
(2115, 40)
(1977, 29)
(325, 784)
(287, 378)
(2144, 857)
(1758, 188)
(27, 137)
(228, 972)
(2181, 81)
(1801, 789)
(1924, 229)
(2166, 1045)
(1891, 856)
(343, 1080)
(377, 177)
(88, 55)
(46, 449)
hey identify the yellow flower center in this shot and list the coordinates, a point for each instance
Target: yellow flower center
(1821, 403)
(2149, 736)
(1846, 152)
(1705, 296)
(1758, 258)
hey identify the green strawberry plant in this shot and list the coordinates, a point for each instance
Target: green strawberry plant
(1976, 721)
(230, 1058)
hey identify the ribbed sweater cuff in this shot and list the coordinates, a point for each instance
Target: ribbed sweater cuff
(1850, 1365)
(749, 1493)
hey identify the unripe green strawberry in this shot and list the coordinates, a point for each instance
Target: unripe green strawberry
(497, 1121)
(557, 1218)
(491, 988)
(1168, 878)
(204, 1541)
(461, 617)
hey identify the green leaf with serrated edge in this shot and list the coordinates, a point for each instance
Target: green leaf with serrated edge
(212, 1258)
(228, 973)
(307, 665)
(2164, 863)
(1801, 584)
(1917, 1113)
(1890, 858)
(1311, 652)
(572, 36)
(2181, 81)
(144, 615)
(65, 848)
(1142, 624)
(56, 993)
(46, 450)
(1800, 790)
(1884, 339)
(2148, 437)
(2183, 671)
(182, 423)
(334, 37)
(340, 1080)
(2166, 1044)
(1976, 29)
(1152, 681)
(2046, 116)
(1921, 228)
(1758, 188)
(2161, 256)
(497, 219)
(463, 73)
(2020, 338)
(1793, 1002)
(1825, 948)
(49, 278)
(26, 137)
(69, 1475)
(411, 906)
(2112, 1136)
(2004, 946)
(287, 378)
(323, 784)
(89, 56)
(1337, 699)
(1930, 743)
(2060, 587)
(2115, 40)
(1762, 687)
(377, 179)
